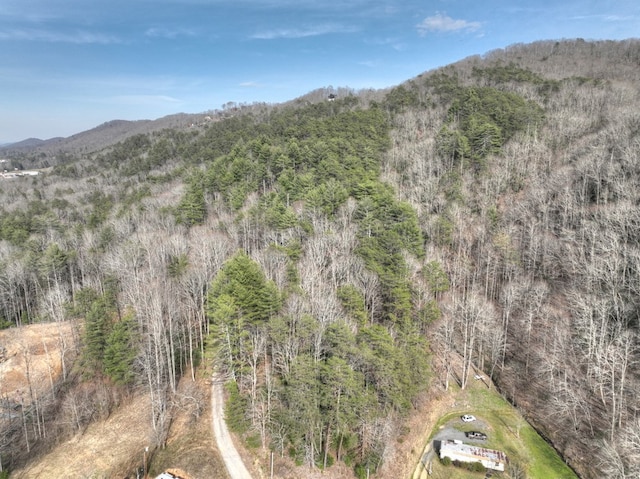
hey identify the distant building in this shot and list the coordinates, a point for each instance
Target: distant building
(18, 174)
(167, 475)
(172, 474)
(458, 451)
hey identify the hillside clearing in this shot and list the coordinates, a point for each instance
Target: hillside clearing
(507, 431)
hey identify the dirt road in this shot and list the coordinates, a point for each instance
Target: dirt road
(229, 453)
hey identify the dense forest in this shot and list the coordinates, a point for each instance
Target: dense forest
(331, 258)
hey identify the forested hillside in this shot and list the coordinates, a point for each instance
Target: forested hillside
(338, 259)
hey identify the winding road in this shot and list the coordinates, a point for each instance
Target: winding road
(229, 453)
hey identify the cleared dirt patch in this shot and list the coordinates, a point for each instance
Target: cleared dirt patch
(31, 356)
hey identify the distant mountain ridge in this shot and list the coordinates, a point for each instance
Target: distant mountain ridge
(98, 138)
(46, 152)
(28, 143)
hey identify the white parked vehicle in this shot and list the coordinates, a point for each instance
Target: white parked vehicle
(468, 418)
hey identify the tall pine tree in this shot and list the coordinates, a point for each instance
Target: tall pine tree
(120, 351)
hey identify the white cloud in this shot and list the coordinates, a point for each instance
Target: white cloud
(396, 43)
(250, 84)
(443, 23)
(606, 18)
(618, 18)
(312, 31)
(144, 100)
(37, 35)
(161, 32)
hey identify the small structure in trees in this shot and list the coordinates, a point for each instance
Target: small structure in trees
(458, 451)
(172, 474)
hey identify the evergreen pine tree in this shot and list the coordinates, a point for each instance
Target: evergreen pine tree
(120, 351)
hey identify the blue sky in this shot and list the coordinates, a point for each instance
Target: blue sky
(69, 65)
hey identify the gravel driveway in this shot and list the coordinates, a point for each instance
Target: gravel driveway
(228, 451)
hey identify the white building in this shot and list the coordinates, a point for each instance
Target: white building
(18, 173)
(457, 450)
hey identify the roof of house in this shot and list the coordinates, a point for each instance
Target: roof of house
(474, 453)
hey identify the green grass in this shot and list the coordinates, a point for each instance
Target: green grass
(545, 460)
(508, 431)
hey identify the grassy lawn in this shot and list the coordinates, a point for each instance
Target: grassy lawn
(507, 431)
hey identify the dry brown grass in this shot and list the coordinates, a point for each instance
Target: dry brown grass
(408, 449)
(114, 448)
(190, 449)
(107, 449)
